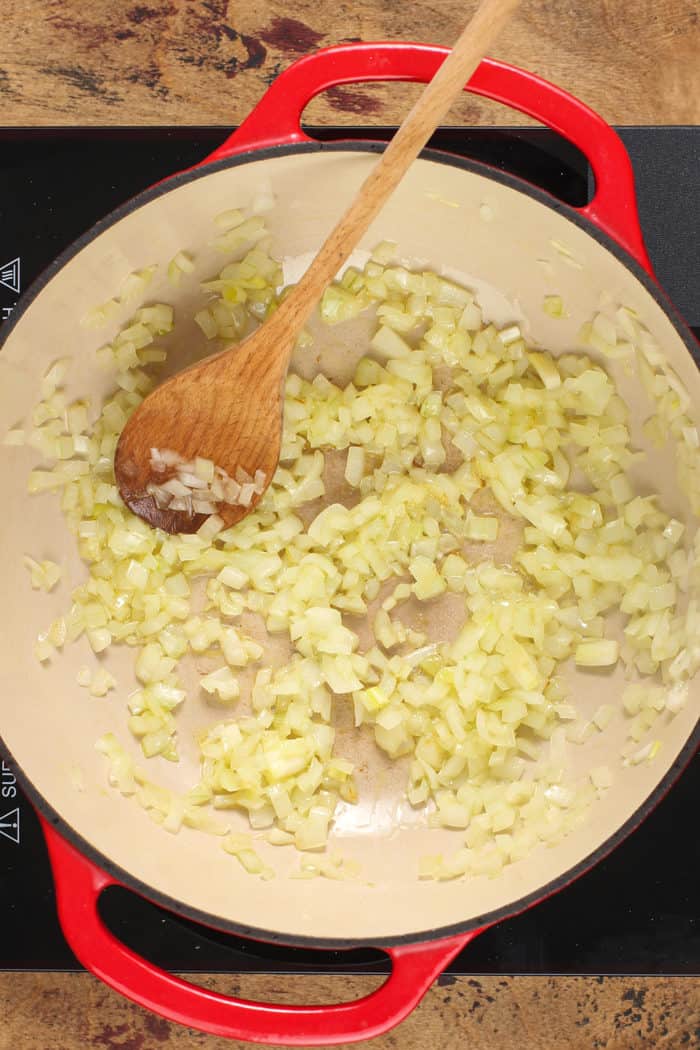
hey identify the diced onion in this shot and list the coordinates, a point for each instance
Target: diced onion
(602, 653)
(454, 435)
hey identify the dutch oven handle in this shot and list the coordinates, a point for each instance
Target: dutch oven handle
(79, 884)
(276, 120)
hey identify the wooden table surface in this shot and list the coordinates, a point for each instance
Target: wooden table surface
(92, 62)
(209, 61)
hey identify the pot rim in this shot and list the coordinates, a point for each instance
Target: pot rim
(150, 893)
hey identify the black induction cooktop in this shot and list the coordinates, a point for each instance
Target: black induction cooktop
(637, 911)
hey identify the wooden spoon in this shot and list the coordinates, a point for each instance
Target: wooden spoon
(228, 408)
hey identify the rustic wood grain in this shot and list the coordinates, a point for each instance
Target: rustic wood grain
(208, 61)
(70, 1011)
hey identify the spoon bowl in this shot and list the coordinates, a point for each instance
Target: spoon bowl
(197, 414)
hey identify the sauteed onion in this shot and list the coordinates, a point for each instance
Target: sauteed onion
(477, 470)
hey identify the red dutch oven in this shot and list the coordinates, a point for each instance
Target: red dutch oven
(454, 213)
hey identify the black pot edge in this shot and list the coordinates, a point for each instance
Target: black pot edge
(453, 930)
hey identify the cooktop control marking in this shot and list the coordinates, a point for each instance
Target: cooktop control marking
(10, 278)
(9, 826)
(8, 782)
(10, 275)
(10, 822)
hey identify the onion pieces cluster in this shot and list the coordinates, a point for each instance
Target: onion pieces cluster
(452, 432)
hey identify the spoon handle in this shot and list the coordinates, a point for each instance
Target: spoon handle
(409, 140)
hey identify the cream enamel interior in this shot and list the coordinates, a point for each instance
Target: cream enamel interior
(50, 725)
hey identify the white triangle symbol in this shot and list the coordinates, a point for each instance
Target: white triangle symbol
(9, 826)
(10, 275)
